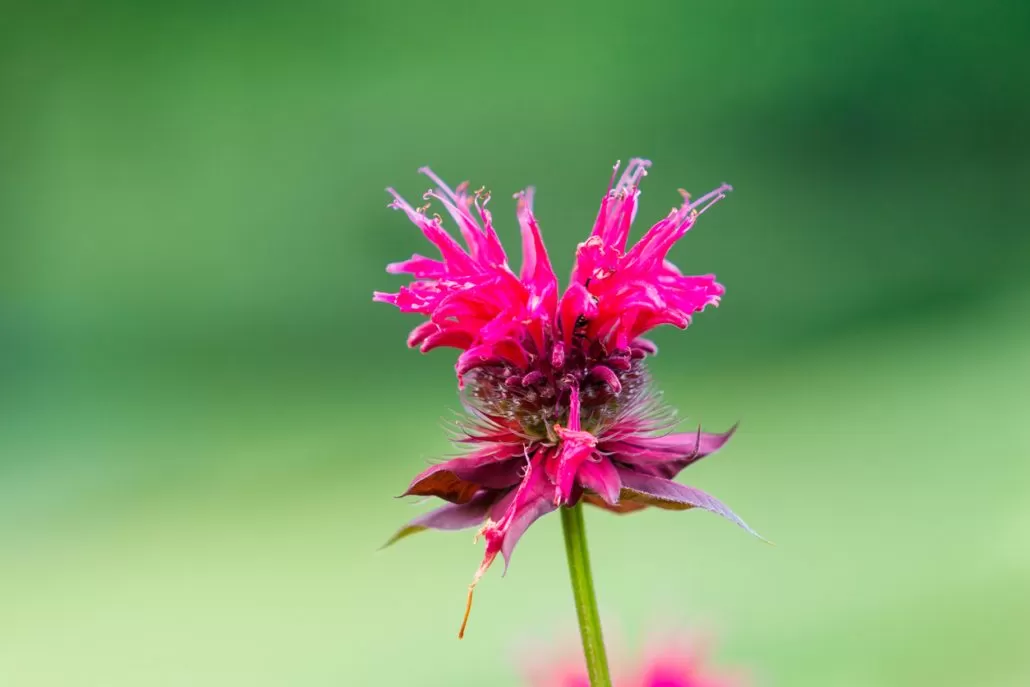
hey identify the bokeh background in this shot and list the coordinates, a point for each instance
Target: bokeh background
(204, 418)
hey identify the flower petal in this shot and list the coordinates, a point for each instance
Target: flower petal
(576, 447)
(532, 499)
(522, 507)
(536, 266)
(602, 478)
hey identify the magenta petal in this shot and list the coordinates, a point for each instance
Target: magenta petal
(492, 354)
(671, 495)
(541, 504)
(536, 266)
(521, 508)
(421, 332)
(602, 478)
(576, 447)
(576, 303)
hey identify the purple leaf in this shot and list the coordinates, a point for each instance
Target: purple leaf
(450, 516)
(670, 495)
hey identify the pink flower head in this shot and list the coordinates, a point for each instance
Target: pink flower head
(555, 382)
(680, 661)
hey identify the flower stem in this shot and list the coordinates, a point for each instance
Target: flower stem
(583, 592)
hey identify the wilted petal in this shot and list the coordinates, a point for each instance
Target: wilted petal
(443, 483)
(541, 504)
(527, 503)
(531, 500)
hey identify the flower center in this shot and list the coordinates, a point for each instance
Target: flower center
(532, 400)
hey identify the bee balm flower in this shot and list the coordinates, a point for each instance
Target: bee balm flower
(679, 661)
(555, 382)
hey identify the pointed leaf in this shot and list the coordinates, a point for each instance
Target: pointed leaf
(670, 495)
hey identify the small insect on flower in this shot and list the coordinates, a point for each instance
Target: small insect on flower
(555, 383)
(674, 661)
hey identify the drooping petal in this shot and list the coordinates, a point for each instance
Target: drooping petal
(529, 502)
(533, 509)
(669, 495)
(601, 477)
(523, 507)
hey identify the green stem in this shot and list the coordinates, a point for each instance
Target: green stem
(583, 592)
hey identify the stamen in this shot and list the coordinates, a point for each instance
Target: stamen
(475, 580)
(615, 170)
(709, 199)
(439, 182)
(468, 610)
(635, 171)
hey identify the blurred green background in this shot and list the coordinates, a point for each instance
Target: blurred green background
(204, 418)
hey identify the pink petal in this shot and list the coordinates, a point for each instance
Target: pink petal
(602, 478)
(536, 266)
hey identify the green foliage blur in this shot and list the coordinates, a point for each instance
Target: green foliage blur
(204, 417)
